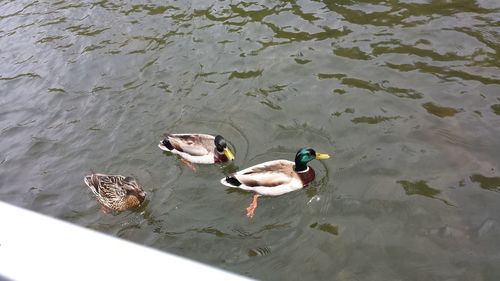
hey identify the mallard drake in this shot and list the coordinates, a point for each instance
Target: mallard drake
(197, 148)
(276, 177)
(115, 192)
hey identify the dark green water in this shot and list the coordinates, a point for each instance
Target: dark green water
(404, 94)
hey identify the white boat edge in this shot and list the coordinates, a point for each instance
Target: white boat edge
(37, 247)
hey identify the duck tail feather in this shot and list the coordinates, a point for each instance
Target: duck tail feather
(232, 181)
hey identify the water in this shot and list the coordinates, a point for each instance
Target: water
(404, 95)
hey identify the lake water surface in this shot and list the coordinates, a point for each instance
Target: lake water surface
(404, 94)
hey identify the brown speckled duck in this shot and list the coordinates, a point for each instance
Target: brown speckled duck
(276, 177)
(197, 148)
(115, 192)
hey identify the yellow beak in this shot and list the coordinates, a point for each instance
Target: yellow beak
(228, 154)
(322, 156)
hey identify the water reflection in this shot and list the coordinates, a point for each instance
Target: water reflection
(372, 120)
(326, 227)
(488, 183)
(496, 109)
(245, 74)
(440, 111)
(371, 86)
(421, 188)
(260, 251)
(394, 90)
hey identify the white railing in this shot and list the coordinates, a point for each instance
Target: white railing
(37, 247)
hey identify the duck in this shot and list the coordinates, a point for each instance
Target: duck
(197, 148)
(275, 177)
(115, 192)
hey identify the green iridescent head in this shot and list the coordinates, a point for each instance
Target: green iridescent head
(221, 146)
(304, 155)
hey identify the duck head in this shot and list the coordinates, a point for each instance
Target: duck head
(132, 188)
(221, 147)
(305, 155)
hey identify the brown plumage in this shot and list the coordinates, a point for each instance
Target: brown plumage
(276, 177)
(115, 192)
(194, 144)
(197, 148)
(270, 178)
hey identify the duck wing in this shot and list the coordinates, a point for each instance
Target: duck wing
(112, 189)
(269, 174)
(193, 144)
(108, 189)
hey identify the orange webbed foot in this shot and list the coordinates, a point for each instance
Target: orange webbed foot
(189, 164)
(253, 206)
(105, 210)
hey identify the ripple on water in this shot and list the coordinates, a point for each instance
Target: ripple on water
(496, 109)
(421, 188)
(488, 183)
(440, 111)
(402, 94)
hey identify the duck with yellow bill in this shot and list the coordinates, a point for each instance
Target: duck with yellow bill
(197, 148)
(275, 177)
